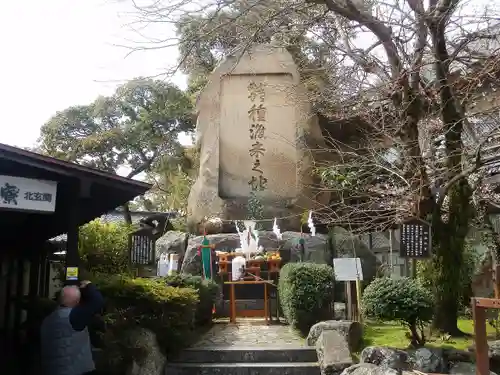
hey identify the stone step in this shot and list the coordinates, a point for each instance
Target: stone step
(247, 354)
(255, 368)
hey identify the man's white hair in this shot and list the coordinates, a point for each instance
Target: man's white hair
(69, 293)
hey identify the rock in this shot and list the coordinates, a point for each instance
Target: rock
(172, 242)
(268, 80)
(347, 245)
(427, 360)
(371, 369)
(385, 357)
(351, 331)
(333, 352)
(457, 355)
(146, 354)
(315, 247)
(465, 368)
(494, 349)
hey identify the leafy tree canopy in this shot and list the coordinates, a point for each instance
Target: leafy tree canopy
(135, 127)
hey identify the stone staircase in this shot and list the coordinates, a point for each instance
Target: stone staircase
(245, 361)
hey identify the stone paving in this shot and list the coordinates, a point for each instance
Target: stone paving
(247, 333)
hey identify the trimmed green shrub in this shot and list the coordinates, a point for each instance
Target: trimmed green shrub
(207, 293)
(306, 293)
(404, 300)
(103, 247)
(147, 303)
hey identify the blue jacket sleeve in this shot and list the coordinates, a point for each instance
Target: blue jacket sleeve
(81, 315)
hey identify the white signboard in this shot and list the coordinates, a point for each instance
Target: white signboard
(25, 194)
(347, 269)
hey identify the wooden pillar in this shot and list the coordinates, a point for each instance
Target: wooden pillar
(35, 258)
(496, 281)
(19, 299)
(2, 322)
(34, 283)
(46, 281)
(348, 303)
(11, 266)
(72, 257)
(482, 358)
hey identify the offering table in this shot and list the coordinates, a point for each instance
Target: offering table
(232, 298)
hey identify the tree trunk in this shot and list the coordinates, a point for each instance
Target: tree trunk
(450, 233)
(126, 214)
(448, 260)
(417, 341)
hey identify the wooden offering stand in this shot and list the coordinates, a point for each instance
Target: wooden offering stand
(252, 276)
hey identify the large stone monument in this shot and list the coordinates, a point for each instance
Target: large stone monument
(255, 133)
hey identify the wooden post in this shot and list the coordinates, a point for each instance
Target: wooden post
(349, 300)
(266, 302)
(232, 301)
(358, 301)
(496, 281)
(482, 358)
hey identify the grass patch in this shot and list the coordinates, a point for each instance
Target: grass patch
(394, 335)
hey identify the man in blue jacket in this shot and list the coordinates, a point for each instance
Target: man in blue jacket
(65, 339)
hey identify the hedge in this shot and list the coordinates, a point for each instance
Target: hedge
(306, 293)
(148, 303)
(207, 294)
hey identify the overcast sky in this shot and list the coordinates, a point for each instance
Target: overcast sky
(58, 53)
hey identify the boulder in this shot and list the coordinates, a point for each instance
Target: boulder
(172, 242)
(315, 247)
(427, 360)
(465, 368)
(147, 358)
(385, 357)
(333, 352)
(371, 369)
(494, 350)
(457, 355)
(352, 332)
(268, 78)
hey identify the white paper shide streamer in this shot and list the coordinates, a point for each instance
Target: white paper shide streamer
(276, 230)
(162, 266)
(310, 224)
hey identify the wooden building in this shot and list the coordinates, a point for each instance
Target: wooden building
(40, 198)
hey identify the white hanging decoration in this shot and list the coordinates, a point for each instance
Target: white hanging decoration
(250, 238)
(310, 223)
(162, 266)
(276, 230)
(173, 264)
(237, 229)
(238, 265)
